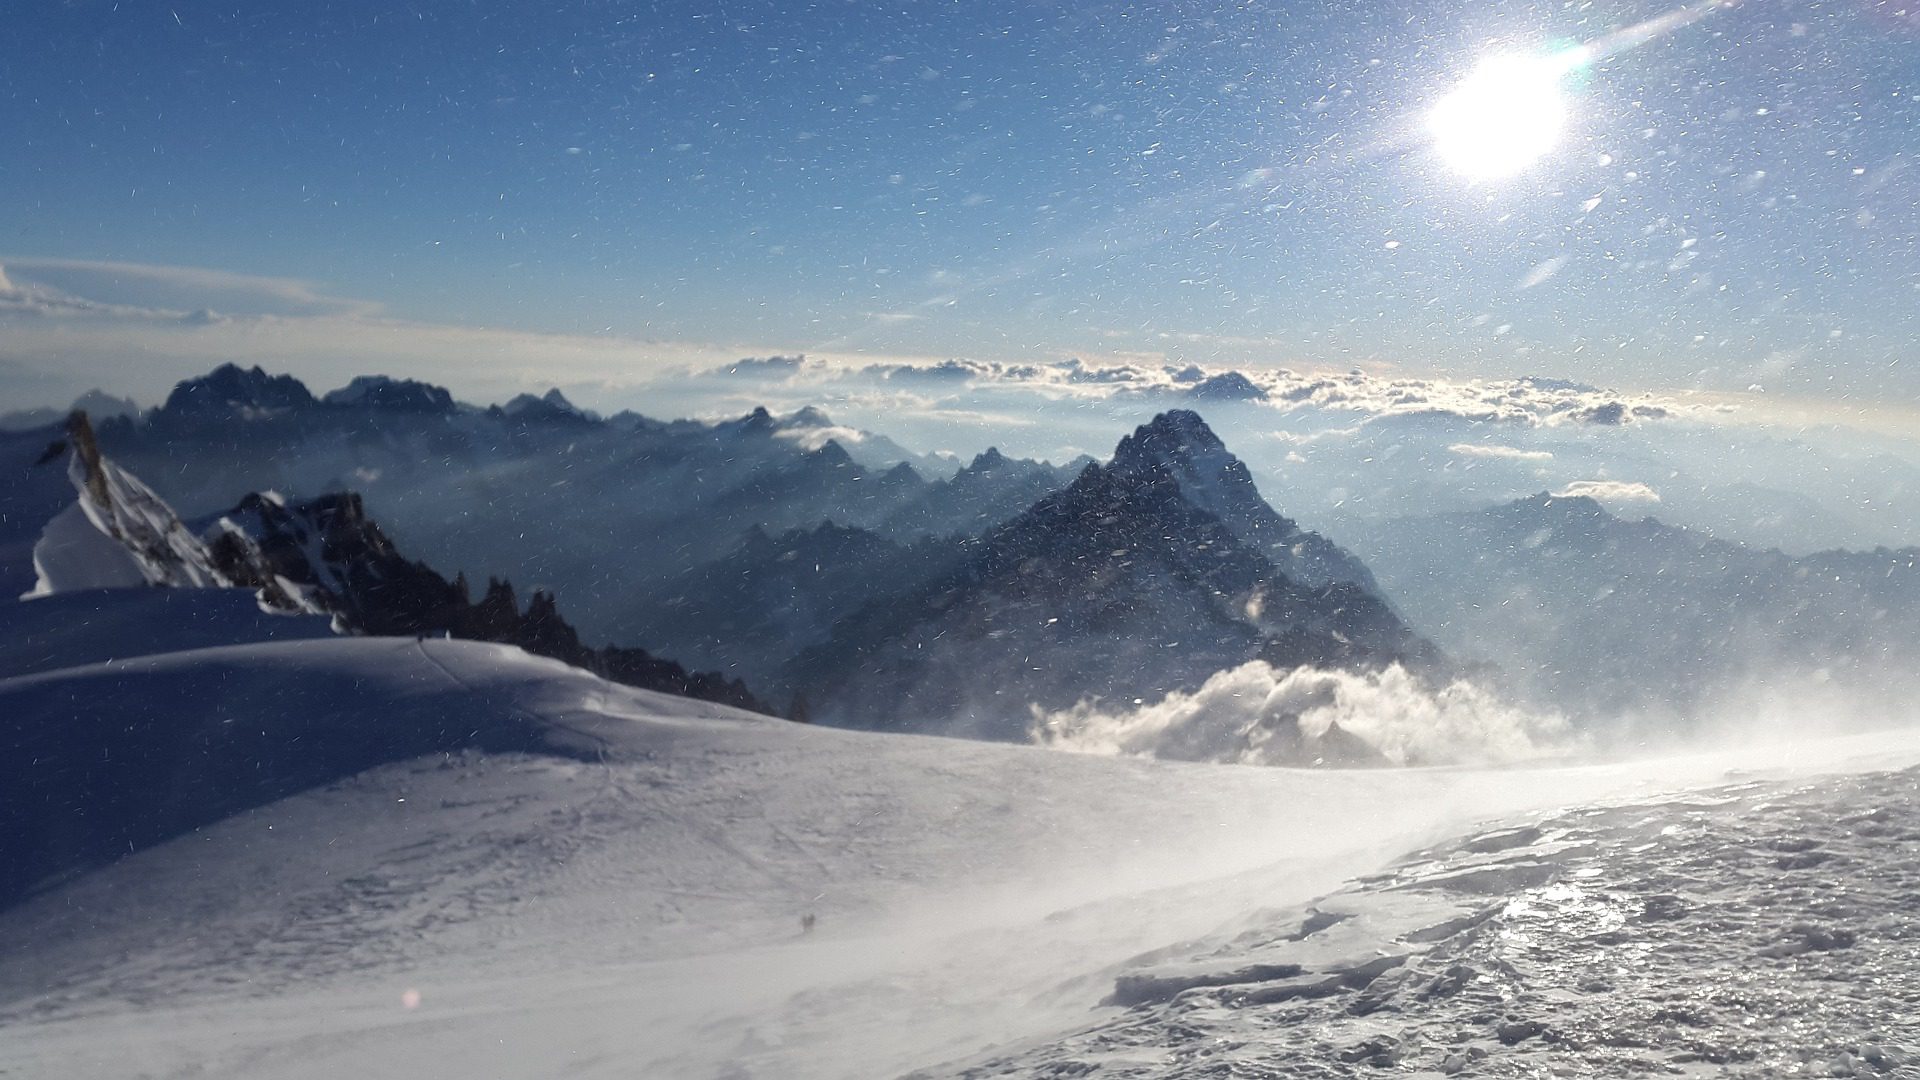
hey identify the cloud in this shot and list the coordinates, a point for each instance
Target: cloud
(813, 438)
(140, 327)
(1608, 490)
(1245, 715)
(770, 367)
(54, 342)
(1494, 450)
(131, 286)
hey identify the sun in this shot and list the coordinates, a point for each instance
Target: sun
(1502, 118)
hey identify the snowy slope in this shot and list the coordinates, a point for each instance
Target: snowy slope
(1761, 929)
(631, 906)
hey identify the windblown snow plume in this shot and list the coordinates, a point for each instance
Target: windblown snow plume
(1257, 715)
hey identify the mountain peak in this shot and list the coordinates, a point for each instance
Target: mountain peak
(1179, 446)
(396, 395)
(552, 405)
(831, 454)
(987, 461)
(806, 417)
(1174, 435)
(231, 388)
(1226, 386)
(1566, 506)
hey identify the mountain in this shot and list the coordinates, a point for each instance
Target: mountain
(771, 597)
(325, 556)
(550, 407)
(1593, 613)
(1181, 444)
(606, 514)
(230, 390)
(95, 403)
(114, 531)
(401, 395)
(987, 491)
(1226, 386)
(107, 569)
(1121, 586)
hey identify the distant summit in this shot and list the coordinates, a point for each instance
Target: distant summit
(398, 395)
(97, 404)
(231, 389)
(551, 406)
(1227, 386)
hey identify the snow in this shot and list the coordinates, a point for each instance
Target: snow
(1764, 928)
(634, 909)
(96, 626)
(73, 553)
(116, 534)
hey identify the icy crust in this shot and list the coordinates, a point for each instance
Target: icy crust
(1757, 930)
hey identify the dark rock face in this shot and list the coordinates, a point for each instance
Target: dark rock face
(394, 395)
(231, 389)
(1181, 444)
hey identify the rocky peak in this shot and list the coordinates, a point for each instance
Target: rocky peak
(758, 422)
(1177, 435)
(553, 405)
(396, 395)
(231, 389)
(1179, 445)
(831, 455)
(992, 460)
(117, 533)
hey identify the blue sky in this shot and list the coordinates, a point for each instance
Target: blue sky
(1732, 204)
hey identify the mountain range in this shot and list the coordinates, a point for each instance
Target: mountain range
(830, 572)
(858, 593)
(1598, 615)
(607, 513)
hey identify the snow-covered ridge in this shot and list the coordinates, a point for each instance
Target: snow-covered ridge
(117, 533)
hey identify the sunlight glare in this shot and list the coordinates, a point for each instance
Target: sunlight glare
(1502, 118)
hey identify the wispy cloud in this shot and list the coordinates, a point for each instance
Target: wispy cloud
(132, 287)
(1609, 491)
(1494, 450)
